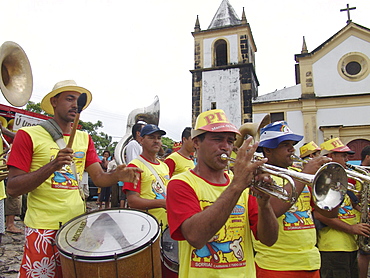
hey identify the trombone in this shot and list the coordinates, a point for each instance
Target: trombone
(329, 184)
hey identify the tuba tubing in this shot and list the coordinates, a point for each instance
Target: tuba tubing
(251, 129)
(149, 114)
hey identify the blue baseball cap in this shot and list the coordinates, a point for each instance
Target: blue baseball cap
(275, 133)
(149, 129)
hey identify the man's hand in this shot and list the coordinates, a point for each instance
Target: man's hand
(245, 166)
(314, 164)
(262, 198)
(128, 174)
(64, 157)
(362, 229)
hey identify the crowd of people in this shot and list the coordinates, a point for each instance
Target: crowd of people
(224, 221)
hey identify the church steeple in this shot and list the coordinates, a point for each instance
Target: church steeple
(197, 25)
(225, 16)
(304, 46)
(244, 19)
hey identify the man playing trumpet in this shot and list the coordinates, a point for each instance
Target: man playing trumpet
(337, 241)
(294, 254)
(211, 213)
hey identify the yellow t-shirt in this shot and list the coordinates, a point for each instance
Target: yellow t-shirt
(2, 187)
(295, 248)
(150, 188)
(2, 190)
(182, 163)
(57, 200)
(330, 239)
(229, 253)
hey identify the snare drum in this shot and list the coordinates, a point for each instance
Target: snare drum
(169, 255)
(110, 243)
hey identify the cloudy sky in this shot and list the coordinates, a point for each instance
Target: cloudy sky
(127, 52)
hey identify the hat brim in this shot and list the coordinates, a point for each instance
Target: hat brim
(217, 127)
(344, 149)
(46, 104)
(162, 132)
(274, 143)
(309, 152)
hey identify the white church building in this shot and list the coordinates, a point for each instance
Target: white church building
(331, 97)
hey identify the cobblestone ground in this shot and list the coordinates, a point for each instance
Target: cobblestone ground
(11, 249)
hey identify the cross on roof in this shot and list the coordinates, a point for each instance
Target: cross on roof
(348, 9)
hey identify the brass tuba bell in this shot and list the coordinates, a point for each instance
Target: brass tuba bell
(16, 84)
(149, 114)
(251, 129)
(16, 80)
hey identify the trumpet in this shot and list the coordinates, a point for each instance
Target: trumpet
(273, 189)
(350, 187)
(359, 173)
(329, 184)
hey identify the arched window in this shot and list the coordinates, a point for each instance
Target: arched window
(221, 53)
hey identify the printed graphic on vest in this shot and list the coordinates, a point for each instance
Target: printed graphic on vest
(64, 178)
(225, 249)
(299, 216)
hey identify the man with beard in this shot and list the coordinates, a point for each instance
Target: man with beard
(50, 173)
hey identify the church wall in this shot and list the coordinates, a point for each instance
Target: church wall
(208, 49)
(295, 122)
(223, 87)
(327, 80)
(346, 116)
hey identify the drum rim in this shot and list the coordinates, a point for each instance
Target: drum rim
(168, 262)
(103, 258)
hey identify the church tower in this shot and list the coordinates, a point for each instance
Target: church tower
(224, 74)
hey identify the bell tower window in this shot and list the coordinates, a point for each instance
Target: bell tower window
(221, 53)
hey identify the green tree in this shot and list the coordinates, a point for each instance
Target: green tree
(167, 143)
(101, 140)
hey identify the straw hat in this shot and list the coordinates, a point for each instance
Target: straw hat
(64, 86)
(3, 121)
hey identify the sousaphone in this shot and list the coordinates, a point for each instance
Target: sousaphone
(149, 114)
(16, 84)
(16, 80)
(251, 129)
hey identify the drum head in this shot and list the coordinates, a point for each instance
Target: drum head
(170, 249)
(107, 234)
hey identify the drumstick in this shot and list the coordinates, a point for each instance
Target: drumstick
(81, 102)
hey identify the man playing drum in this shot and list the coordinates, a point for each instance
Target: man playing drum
(39, 167)
(211, 213)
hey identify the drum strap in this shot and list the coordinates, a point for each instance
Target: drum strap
(56, 133)
(159, 180)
